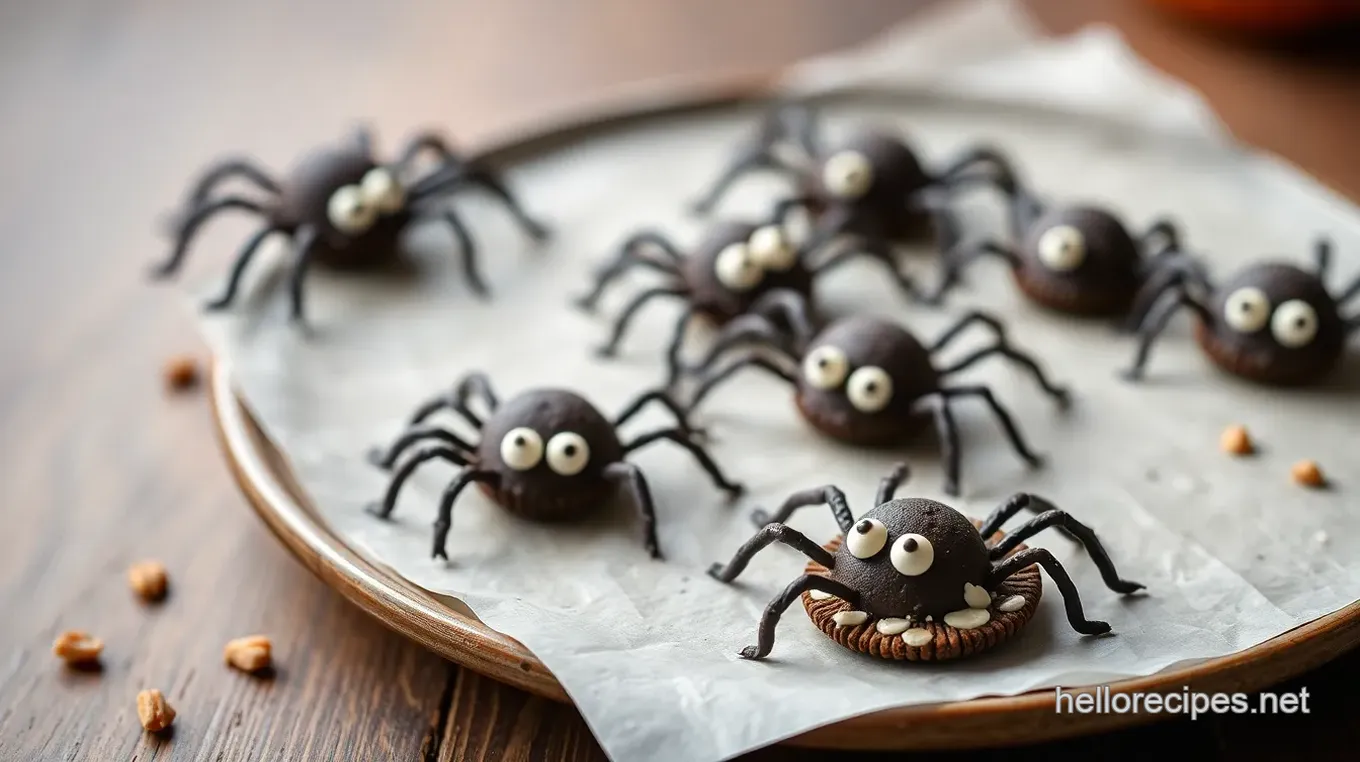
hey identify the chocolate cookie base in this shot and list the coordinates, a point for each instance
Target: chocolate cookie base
(947, 642)
(1073, 300)
(547, 508)
(1255, 367)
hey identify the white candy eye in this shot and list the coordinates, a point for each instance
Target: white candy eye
(568, 453)
(912, 554)
(771, 249)
(1062, 248)
(1294, 323)
(522, 449)
(737, 269)
(382, 191)
(349, 212)
(1247, 310)
(869, 389)
(866, 538)
(825, 367)
(848, 174)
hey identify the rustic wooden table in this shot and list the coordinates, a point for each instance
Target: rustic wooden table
(107, 105)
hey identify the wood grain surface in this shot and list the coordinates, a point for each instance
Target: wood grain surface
(107, 107)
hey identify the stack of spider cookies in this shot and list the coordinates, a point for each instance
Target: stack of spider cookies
(909, 578)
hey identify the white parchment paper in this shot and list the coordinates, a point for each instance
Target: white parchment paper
(1231, 551)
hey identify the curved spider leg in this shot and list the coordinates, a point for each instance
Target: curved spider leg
(1002, 416)
(384, 508)
(957, 259)
(985, 156)
(797, 120)
(677, 436)
(469, 251)
(185, 235)
(442, 523)
(1071, 599)
(879, 251)
(238, 268)
(415, 434)
(1164, 232)
(629, 256)
(627, 474)
(1159, 282)
(610, 348)
(677, 341)
(887, 486)
(768, 534)
(1351, 291)
(1052, 517)
(362, 137)
(459, 174)
(749, 361)
(947, 431)
(828, 495)
(830, 226)
(790, 306)
(457, 400)
(1002, 347)
(740, 330)
(964, 323)
(225, 169)
(770, 619)
(760, 152)
(431, 142)
(1156, 322)
(1020, 501)
(305, 247)
(1322, 258)
(665, 400)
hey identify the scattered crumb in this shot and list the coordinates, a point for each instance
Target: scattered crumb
(249, 654)
(1307, 473)
(154, 711)
(77, 647)
(1236, 441)
(181, 373)
(148, 579)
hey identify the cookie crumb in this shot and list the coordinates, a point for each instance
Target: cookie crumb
(249, 654)
(79, 648)
(148, 579)
(1307, 473)
(1236, 441)
(154, 711)
(181, 373)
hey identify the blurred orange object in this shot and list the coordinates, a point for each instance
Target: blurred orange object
(1266, 16)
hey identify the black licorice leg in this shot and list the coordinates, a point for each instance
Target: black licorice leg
(238, 268)
(428, 142)
(947, 431)
(419, 433)
(971, 158)
(445, 519)
(1059, 394)
(750, 361)
(389, 502)
(879, 251)
(742, 329)
(793, 307)
(1161, 281)
(660, 397)
(1002, 416)
(955, 261)
(1322, 258)
(629, 256)
(1156, 322)
(769, 534)
(190, 227)
(677, 341)
(610, 348)
(629, 475)
(757, 152)
(468, 250)
(705, 461)
(1349, 293)
(827, 495)
(1164, 230)
(770, 619)
(887, 486)
(304, 248)
(1020, 501)
(975, 317)
(1071, 599)
(492, 183)
(225, 169)
(1052, 517)
(457, 401)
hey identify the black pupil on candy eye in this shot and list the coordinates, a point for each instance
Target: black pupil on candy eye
(871, 387)
(569, 450)
(863, 527)
(519, 441)
(909, 545)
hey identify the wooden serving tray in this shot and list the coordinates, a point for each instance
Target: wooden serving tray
(449, 628)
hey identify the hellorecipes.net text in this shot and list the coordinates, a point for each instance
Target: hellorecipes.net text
(1101, 700)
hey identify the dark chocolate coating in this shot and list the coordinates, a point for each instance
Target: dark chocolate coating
(714, 299)
(869, 341)
(1106, 280)
(960, 557)
(541, 493)
(883, 211)
(1258, 355)
(307, 190)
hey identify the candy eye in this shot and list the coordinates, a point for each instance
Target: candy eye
(1062, 248)
(771, 249)
(349, 212)
(568, 453)
(869, 389)
(522, 449)
(737, 269)
(912, 554)
(382, 191)
(1294, 323)
(1247, 310)
(825, 367)
(848, 174)
(866, 538)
